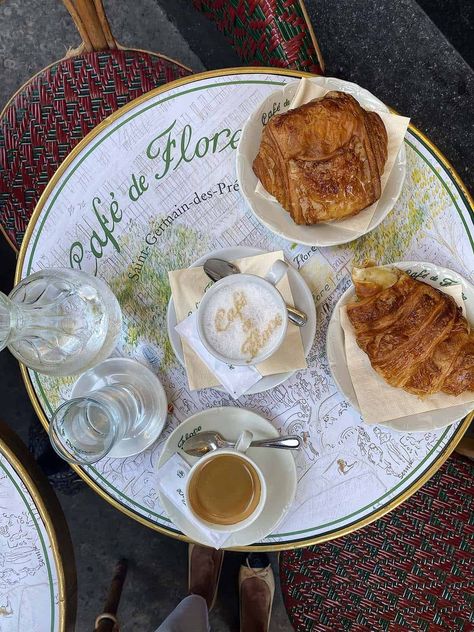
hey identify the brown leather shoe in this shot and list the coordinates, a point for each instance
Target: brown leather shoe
(204, 571)
(256, 590)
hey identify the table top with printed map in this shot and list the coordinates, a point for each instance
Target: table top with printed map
(37, 576)
(154, 188)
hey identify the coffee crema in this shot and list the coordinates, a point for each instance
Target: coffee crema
(225, 490)
(243, 322)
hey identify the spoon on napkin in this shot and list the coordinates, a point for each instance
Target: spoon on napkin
(217, 269)
(210, 440)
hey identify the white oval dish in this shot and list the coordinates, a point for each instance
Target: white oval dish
(271, 213)
(336, 354)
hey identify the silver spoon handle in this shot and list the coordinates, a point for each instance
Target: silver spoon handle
(296, 316)
(290, 442)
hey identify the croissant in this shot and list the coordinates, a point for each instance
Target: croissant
(323, 160)
(414, 335)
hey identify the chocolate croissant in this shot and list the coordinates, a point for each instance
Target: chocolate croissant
(415, 335)
(323, 160)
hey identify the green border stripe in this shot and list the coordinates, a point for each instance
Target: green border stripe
(43, 545)
(333, 522)
(278, 83)
(328, 533)
(90, 467)
(461, 193)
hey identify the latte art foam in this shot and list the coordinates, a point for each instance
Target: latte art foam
(243, 322)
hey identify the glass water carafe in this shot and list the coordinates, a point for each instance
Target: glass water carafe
(60, 321)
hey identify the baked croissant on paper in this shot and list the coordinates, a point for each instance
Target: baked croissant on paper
(415, 335)
(323, 160)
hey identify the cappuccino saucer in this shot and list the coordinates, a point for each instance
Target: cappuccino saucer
(302, 297)
(277, 466)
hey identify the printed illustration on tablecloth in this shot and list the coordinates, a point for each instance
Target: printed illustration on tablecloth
(28, 578)
(158, 189)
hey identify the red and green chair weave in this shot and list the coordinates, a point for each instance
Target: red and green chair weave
(412, 570)
(267, 32)
(51, 113)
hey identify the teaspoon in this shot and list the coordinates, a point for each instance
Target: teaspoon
(208, 441)
(217, 269)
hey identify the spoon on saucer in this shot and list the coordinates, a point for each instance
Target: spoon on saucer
(217, 269)
(210, 440)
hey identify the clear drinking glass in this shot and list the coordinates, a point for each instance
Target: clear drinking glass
(84, 429)
(118, 409)
(60, 321)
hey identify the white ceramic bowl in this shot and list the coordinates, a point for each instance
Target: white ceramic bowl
(301, 295)
(271, 213)
(277, 466)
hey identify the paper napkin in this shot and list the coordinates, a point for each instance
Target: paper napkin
(172, 482)
(235, 379)
(188, 286)
(396, 127)
(378, 401)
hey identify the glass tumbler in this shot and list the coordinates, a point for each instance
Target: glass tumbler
(117, 409)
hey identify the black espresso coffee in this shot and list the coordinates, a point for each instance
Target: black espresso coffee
(225, 490)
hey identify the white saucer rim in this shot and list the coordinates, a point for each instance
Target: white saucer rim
(160, 427)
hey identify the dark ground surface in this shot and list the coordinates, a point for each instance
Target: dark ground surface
(392, 48)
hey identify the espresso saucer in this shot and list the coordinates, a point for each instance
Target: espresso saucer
(301, 295)
(277, 466)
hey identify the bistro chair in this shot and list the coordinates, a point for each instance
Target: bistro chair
(410, 570)
(263, 33)
(56, 108)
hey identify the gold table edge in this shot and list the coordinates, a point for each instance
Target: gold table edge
(29, 386)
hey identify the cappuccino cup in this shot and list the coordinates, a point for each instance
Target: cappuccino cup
(242, 319)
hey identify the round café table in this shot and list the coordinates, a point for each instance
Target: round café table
(37, 570)
(153, 188)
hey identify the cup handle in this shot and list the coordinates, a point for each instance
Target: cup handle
(243, 442)
(276, 272)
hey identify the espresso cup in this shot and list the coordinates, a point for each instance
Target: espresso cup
(242, 319)
(225, 490)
